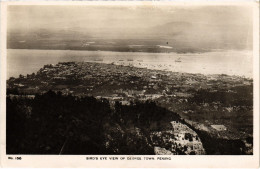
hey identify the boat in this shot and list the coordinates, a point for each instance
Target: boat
(98, 59)
(178, 60)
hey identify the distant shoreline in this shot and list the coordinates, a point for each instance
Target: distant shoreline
(195, 52)
(134, 51)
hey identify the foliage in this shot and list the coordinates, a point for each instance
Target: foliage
(53, 123)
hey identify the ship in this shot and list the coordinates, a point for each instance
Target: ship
(98, 60)
(178, 60)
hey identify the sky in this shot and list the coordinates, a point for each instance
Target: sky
(231, 23)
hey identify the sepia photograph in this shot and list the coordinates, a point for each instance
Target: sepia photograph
(133, 79)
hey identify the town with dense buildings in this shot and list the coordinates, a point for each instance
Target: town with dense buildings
(218, 105)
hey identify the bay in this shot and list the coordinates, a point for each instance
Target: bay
(27, 61)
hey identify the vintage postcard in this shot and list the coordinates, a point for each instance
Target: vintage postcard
(130, 84)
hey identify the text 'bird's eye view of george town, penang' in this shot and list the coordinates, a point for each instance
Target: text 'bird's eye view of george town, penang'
(129, 80)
